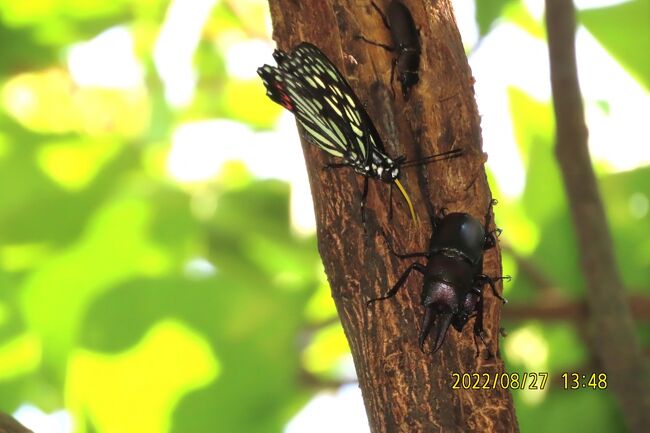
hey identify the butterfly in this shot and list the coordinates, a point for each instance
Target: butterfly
(307, 83)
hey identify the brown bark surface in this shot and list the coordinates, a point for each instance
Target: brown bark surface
(404, 389)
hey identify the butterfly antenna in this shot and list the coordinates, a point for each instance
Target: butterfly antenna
(454, 153)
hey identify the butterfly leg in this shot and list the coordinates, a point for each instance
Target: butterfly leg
(364, 197)
(390, 201)
(335, 165)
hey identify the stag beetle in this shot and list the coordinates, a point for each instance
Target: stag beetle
(453, 276)
(406, 43)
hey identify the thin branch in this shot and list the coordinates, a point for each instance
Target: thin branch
(10, 425)
(537, 276)
(310, 380)
(576, 312)
(553, 305)
(617, 347)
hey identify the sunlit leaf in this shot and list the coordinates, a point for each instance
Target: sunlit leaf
(326, 351)
(115, 390)
(240, 96)
(73, 164)
(623, 30)
(50, 102)
(517, 13)
(20, 356)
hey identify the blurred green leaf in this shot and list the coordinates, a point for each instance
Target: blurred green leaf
(569, 410)
(624, 31)
(487, 12)
(24, 52)
(544, 201)
(626, 196)
(114, 247)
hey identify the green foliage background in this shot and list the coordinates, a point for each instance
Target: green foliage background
(101, 310)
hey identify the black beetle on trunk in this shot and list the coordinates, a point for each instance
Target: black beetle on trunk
(406, 43)
(453, 276)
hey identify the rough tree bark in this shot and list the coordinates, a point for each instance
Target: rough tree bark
(404, 389)
(615, 340)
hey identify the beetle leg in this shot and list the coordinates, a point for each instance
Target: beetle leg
(435, 219)
(377, 44)
(491, 239)
(443, 213)
(392, 292)
(483, 279)
(488, 216)
(491, 236)
(381, 13)
(385, 21)
(478, 329)
(392, 75)
(402, 256)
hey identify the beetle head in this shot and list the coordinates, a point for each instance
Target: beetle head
(468, 306)
(442, 304)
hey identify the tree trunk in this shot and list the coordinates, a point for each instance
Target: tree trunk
(404, 389)
(615, 341)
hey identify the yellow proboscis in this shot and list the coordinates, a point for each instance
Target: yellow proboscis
(408, 200)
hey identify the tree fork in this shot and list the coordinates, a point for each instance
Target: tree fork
(404, 390)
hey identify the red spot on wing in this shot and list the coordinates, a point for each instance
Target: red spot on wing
(284, 96)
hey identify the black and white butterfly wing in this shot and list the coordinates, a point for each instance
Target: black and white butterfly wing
(309, 85)
(319, 129)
